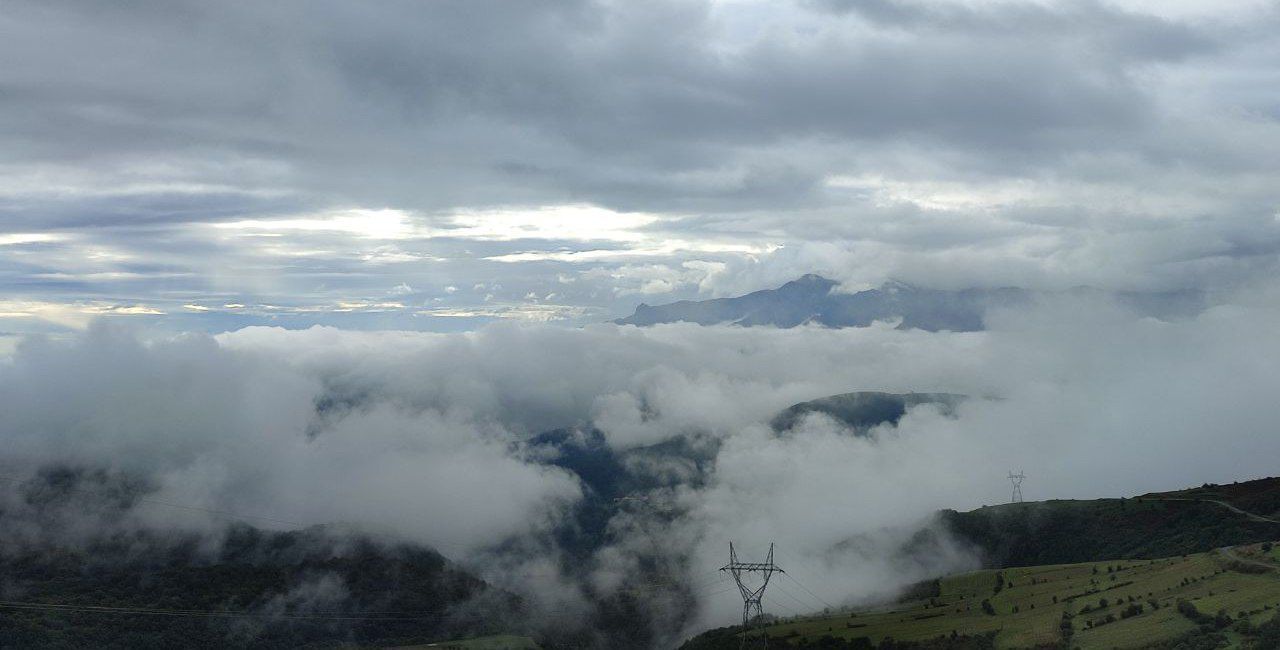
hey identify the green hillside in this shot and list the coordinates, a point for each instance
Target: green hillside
(1213, 599)
(1059, 532)
(497, 642)
(1197, 572)
(309, 588)
(1260, 497)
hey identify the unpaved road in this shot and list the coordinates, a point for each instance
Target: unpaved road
(1224, 504)
(1230, 553)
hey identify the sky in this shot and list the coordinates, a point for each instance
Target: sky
(340, 262)
(441, 165)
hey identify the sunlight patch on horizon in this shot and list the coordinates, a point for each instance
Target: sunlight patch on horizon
(371, 224)
(18, 238)
(529, 312)
(75, 315)
(662, 248)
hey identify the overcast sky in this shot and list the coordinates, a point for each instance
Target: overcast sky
(435, 165)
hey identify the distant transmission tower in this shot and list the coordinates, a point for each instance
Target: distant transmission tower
(753, 633)
(1017, 479)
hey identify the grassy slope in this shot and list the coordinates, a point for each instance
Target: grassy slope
(498, 642)
(1209, 584)
(1261, 496)
(1057, 532)
(1056, 545)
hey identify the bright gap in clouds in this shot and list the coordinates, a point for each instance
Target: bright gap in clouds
(554, 222)
(370, 224)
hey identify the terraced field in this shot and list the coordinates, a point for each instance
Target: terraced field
(1120, 604)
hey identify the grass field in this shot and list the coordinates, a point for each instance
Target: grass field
(1027, 609)
(499, 642)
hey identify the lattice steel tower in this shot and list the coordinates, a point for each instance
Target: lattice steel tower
(753, 634)
(1017, 479)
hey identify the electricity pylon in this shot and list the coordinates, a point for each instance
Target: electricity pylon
(1017, 479)
(753, 633)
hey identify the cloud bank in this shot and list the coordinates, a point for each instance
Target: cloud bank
(421, 436)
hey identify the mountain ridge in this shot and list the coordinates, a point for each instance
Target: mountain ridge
(811, 300)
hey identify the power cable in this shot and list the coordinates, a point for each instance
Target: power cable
(820, 598)
(793, 597)
(210, 613)
(170, 504)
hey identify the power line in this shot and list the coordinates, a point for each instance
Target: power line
(793, 597)
(213, 511)
(810, 592)
(775, 601)
(702, 584)
(170, 504)
(722, 590)
(209, 613)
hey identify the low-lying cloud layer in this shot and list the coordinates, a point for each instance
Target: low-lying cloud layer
(420, 435)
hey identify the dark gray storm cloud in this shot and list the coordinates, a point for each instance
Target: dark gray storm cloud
(447, 104)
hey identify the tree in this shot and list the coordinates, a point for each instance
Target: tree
(1066, 629)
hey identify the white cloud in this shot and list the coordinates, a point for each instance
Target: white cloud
(430, 424)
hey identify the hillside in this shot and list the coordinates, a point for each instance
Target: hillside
(1115, 604)
(609, 482)
(1143, 555)
(1260, 496)
(236, 587)
(259, 590)
(1052, 532)
(863, 410)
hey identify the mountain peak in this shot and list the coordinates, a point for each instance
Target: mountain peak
(809, 282)
(812, 278)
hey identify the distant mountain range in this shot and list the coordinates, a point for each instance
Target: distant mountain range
(810, 300)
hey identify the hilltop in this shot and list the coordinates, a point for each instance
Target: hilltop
(863, 410)
(1051, 532)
